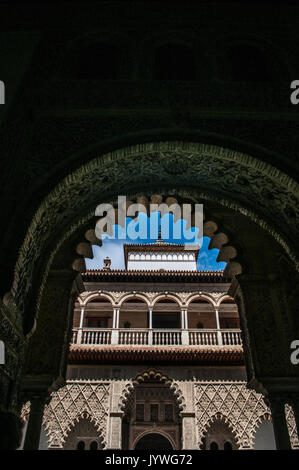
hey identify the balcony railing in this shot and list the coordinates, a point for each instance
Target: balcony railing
(155, 337)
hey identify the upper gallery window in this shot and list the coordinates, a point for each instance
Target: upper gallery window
(174, 62)
(248, 63)
(97, 62)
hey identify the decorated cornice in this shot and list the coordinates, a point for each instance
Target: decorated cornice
(207, 355)
(150, 275)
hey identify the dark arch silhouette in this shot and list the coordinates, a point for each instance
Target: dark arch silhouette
(93, 445)
(153, 441)
(174, 62)
(227, 446)
(250, 63)
(80, 434)
(97, 61)
(214, 446)
(219, 435)
(81, 445)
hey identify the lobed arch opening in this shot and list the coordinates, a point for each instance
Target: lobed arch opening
(66, 250)
(152, 398)
(210, 228)
(219, 434)
(84, 434)
(263, 433)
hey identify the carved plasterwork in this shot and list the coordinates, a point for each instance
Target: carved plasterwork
(71, 403)
(25, 411)
(240, 406)
(158, 376)
(292, 428)
(150, 298)
(15, 346)
(84, 430)
(220, 430)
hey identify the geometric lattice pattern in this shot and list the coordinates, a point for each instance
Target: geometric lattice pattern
(243, 409)
(25, 411)
(231, 402)
(292, 427)
(71, 403)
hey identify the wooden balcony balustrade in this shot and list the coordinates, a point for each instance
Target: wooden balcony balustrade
(156, 337)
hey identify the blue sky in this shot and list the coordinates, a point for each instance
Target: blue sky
(113, 245)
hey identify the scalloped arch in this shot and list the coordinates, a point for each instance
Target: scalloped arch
(84, 415)
(200, 161)
(219, 417)
(160, 377)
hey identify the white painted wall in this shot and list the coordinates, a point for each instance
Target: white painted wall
(168, 261)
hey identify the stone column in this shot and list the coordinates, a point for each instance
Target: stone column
(115, 325)
(182, 319)
(150, 318)
(150, 326)
(186, 319)
(185, 333)
(219, 335)
(79, 337)
(37, 404)
(281, 433)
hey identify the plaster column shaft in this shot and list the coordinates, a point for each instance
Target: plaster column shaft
(219, 336)
(115, 323)
(150, 326)
(79, 336)
(82, 317)
(150, 318)
(114, 318)
(184, 333)
(182, 319)
(186, 319)
(281, 432)
(34, 426)
(217, 319)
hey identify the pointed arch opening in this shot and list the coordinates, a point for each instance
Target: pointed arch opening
(84, 436)
(219, 435)
(153, 400)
